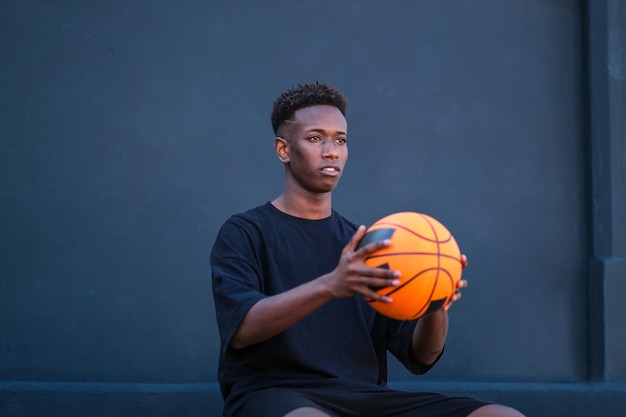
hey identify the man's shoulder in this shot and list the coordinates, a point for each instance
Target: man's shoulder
(251, 215)
(251, 212)
(250, 222)
(241, 229)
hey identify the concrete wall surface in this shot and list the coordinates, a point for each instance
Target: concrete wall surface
(131, 130)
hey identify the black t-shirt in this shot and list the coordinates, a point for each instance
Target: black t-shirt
(263, 252)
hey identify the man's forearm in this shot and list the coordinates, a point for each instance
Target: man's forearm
(429, 337)
(273, 315)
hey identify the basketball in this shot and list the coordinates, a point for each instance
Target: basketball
(427, 256)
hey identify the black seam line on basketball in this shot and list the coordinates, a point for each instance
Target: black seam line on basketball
(438, 249)
(453, 290)
(428, 300)
(408, 281)
(394, 289)
(413, 253)
(428, 306)
(416, 234)
(422, 309)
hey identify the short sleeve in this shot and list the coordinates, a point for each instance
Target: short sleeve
(399, 339)
(236, 278)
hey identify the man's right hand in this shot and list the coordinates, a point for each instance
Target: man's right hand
(353, 276)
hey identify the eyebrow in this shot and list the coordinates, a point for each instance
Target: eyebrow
(318, 130)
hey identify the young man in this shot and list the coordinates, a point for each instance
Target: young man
(298, 338)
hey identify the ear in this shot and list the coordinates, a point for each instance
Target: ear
(281, 146)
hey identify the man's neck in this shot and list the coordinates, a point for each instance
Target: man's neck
(312, 207)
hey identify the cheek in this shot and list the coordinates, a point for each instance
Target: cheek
(301, 162)
(343, 155)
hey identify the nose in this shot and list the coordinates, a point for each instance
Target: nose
(329, 150)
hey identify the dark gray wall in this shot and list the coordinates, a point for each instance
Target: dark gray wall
(606, 92)
(129, 131)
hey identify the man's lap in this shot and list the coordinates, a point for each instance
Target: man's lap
(370, 402)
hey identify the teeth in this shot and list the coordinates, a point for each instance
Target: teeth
(330, 169)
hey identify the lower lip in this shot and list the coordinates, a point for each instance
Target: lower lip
(330, 173)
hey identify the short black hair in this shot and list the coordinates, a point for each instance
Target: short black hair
(305, 95)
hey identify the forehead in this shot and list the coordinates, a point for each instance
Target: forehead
(321, 117)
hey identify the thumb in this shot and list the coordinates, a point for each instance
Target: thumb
(356, 238)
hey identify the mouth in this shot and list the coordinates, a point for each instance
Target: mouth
(330, 170)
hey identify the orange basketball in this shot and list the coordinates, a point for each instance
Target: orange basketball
(426, 254)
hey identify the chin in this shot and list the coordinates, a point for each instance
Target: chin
(321, 187)
(327, 189)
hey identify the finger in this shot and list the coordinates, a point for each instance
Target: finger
(455, 297)
(356, 238)
(463, 261)
(379, 283)
(382, 272)
(373, 247)
(369, 287)
(462, 284)
(370, 295)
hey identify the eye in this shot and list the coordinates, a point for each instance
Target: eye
(341, 141)
(314, 138)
